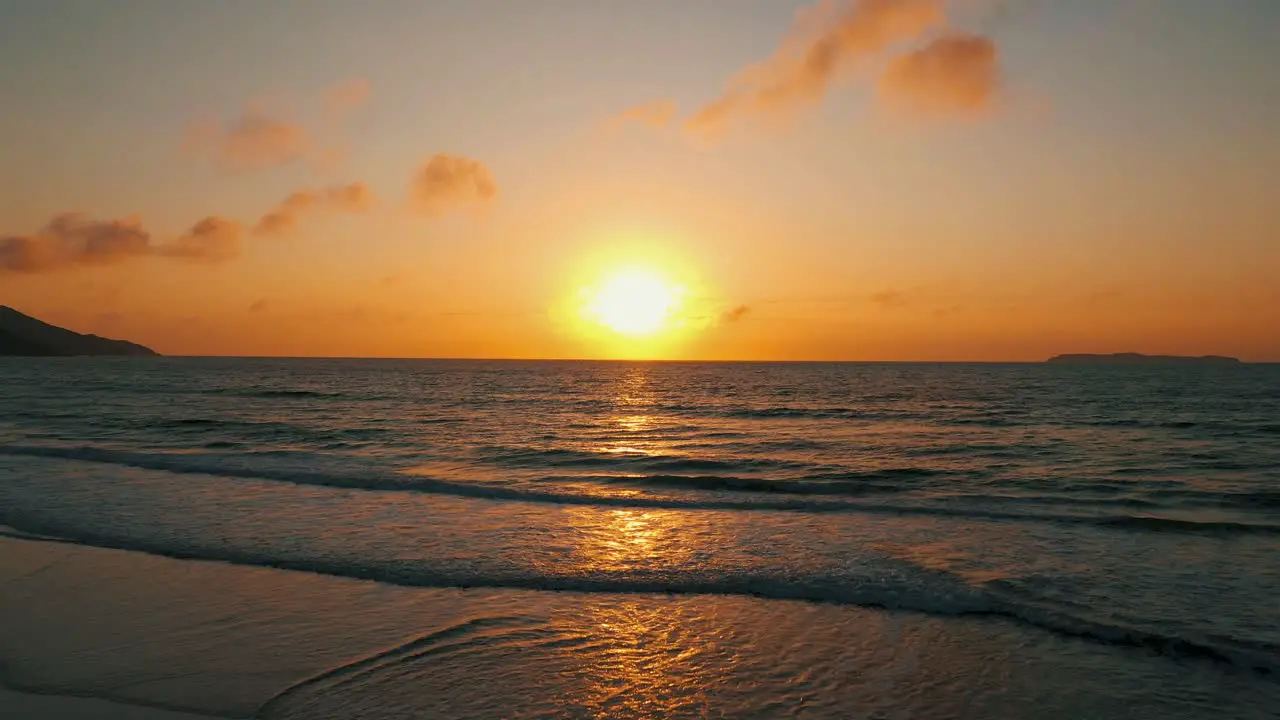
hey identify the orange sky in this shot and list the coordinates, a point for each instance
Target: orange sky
(857, 179)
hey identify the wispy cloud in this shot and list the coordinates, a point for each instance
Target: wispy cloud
(252, 141)
(827, 42)
(74, 239)
(654, 114)
(341, 102)
(211, 240)
(734, 314)
(957, 74)
(446, 183)
(261, 138)
(953, 72)
(284, 218)
(889, 299)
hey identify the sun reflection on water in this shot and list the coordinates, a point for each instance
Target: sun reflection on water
(640, 543)
(628, 537)
(634, 388)
(650, 669)
(646, 666)
(632, 431)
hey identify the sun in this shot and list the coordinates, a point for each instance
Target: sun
(633, 301)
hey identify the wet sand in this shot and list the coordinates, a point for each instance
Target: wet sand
(134, 632)
(25, 706)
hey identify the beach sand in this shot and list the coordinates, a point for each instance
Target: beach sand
(24, 706)
(197, 636)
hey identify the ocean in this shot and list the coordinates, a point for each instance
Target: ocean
(509, 539)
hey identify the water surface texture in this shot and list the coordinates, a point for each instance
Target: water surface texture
(1125, 518)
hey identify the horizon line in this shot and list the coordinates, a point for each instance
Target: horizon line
(668, 360)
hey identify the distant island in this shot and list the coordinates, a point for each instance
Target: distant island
(1139, 358)
(24, 335)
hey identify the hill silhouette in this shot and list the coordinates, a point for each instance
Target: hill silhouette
(1139, 358)
(24, 335)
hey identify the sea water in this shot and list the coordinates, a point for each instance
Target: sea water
(750, 536)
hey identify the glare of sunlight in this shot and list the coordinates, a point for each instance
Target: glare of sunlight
(633, 301)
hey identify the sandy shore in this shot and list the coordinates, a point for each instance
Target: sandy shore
(143, 632)
(23, 706)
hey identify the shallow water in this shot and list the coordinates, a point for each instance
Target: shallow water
(1133, 511)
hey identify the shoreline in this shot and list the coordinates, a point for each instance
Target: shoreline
(226, 641)
(22, 704)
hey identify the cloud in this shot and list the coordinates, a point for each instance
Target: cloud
(655, 114)
(353, 197)
(953, 74)
(451, 182)
(826, 42)
(340, 101)
(347, 96)
(889, 299)
(259, 307)
(917, 301)
(258, 140)
(74, 239)
(211, 240)
(957, 74)
(284, 218)
(253, 141)
(735, 314)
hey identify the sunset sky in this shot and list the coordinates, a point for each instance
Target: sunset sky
(860, 180)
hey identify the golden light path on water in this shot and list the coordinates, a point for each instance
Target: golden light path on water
(646, 665)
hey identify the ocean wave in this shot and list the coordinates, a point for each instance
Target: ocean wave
(251, 466)
(730, 442)
(1059, 499)
(925, 591)
(1002, 418)
(237, 430)
(272, 427)
(268, 393)
(846, 485)
(794, 412)
(1233, 429)
(1166, 524)
(1147, 424)
(1261, 498)
(634, 461)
